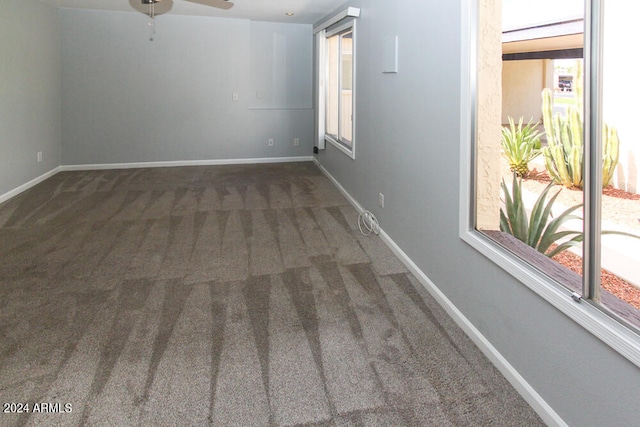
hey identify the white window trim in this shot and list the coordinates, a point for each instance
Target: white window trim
(337, 29)
(320, 40)
(345, 13)
(333, 25)
(622, 339)
(351, 152)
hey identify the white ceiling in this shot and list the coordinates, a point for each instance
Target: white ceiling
(305, 11)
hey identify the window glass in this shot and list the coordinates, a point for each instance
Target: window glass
(333, 85)
(620, 255)
(533, 140)
(346, 89)
(339, 59)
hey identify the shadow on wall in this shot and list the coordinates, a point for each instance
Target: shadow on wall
(626, 177)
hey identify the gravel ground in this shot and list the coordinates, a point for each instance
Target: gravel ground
(618, 207)
(612, 283)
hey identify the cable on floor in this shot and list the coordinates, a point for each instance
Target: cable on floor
(368, 223)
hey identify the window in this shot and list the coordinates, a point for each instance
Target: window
(339, 95)
(564, 78)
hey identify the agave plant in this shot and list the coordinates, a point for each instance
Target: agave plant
(520, 145)
(540, 229)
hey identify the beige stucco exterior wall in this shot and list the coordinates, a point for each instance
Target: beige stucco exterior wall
(489, 107)
(620, 91)
(522, 84)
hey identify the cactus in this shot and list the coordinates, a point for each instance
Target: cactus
(610, 153)
(564, 153)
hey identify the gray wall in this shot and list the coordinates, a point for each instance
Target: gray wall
(127, 99)
(29, 91)
(408, 147)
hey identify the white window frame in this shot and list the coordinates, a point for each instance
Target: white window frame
(342, 21)
(615, 334)
(337, 140)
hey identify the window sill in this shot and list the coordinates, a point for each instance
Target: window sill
(340, 146)
(618, 336)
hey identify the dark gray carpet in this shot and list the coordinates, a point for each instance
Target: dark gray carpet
(225, 296)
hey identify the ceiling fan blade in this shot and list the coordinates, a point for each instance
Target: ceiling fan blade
(160, 6)
(220, 4)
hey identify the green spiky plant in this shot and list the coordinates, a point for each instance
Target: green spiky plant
(540, 229)
(563, 155)
(520, 145)
(564, 151)
(537, 230)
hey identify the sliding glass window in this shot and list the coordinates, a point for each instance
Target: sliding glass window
(339, 96)
(553, 180)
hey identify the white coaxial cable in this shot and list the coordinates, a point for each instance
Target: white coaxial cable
(368, 223)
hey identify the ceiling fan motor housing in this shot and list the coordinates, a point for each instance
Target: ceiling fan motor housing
(149, 8)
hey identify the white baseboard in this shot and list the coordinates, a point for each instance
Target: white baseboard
(12, 193)
(344, 192)
(529, 394)
(164, 164)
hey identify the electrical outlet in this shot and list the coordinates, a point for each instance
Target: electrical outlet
(296, 141)
(39, 156)
(235, 96)
(270, 142)
(381, 200)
